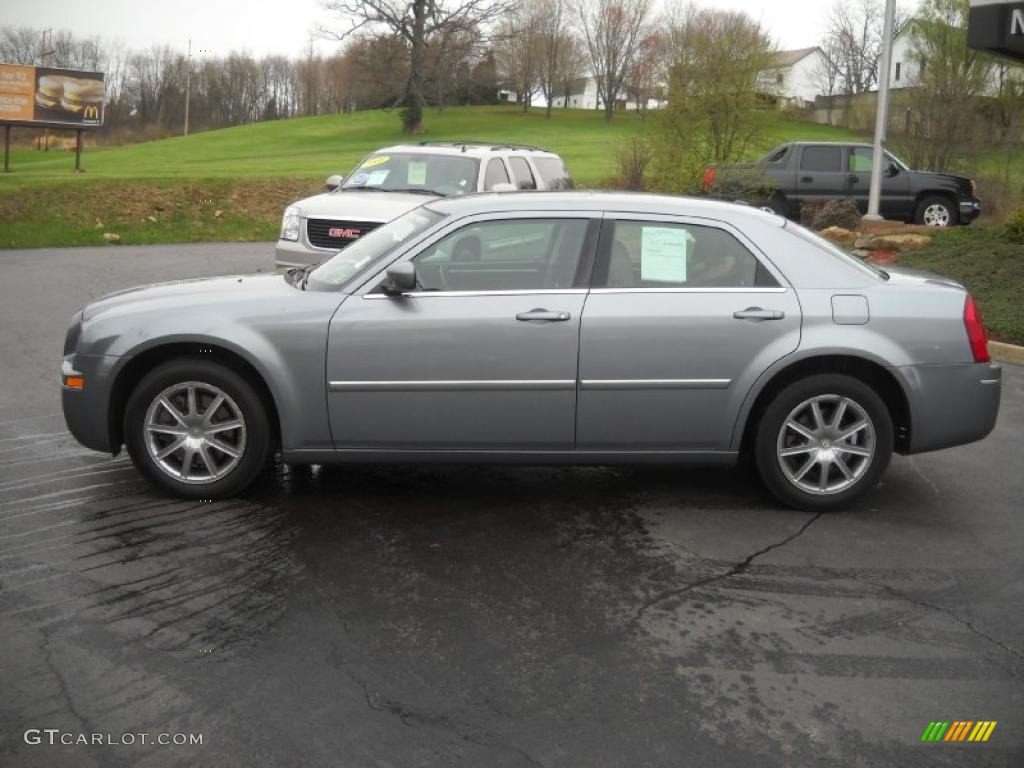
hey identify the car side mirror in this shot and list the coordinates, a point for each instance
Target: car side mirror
(400, 278)
(503, 186)
(333, 182)
(892, 170)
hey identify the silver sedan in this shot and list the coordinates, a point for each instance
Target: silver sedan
(574, 328)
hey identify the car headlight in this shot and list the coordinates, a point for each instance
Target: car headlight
(290, 223)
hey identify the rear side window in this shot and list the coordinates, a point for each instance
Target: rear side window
(496, 174)
(553, 172)
(822, 159)
(654, 254)
(523, 174)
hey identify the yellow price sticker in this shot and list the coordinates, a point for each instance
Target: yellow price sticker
(376, 160)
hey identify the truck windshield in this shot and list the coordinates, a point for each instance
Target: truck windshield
(348, 263)
(418, 172)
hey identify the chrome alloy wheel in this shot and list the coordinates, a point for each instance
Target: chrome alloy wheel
(826, 444)
(936, 215)
(195, 432)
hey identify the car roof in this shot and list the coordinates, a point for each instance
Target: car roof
(829, 143)
(581, 200)
(470, 148)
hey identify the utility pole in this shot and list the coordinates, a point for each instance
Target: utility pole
(881, 111)
(188, 82)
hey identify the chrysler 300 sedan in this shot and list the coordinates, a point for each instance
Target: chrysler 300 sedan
(576, 328)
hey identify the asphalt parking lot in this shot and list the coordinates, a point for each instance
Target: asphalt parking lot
(493, 617)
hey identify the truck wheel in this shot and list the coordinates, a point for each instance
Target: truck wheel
(936, 211)
(197, 429)
(823, 442)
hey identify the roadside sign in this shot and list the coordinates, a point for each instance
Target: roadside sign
(997, 27)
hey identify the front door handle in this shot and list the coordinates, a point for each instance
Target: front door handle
(543, 315)
(758, 315)
(807, 179)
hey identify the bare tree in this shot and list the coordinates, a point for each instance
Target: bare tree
(572, 65)
(414, 22)
(825, 75)
(519, 48)
(612, 30)
(553, 38)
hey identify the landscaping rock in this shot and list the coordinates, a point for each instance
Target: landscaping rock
(112, 237)
(897, 243)
(839, 235)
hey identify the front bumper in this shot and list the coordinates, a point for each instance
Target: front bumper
(86, 411)
(970, 209)
(951, 404)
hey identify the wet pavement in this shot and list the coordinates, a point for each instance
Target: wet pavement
(481, 616)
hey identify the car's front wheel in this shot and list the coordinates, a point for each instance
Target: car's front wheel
(824, 441)
(197, 429)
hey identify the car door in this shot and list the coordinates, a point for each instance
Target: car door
(681, 320)
(896, 200)
(482, 356)
(820, 174)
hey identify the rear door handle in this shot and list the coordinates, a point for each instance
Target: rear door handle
(543, 315)
(758, 315)
(807, 179)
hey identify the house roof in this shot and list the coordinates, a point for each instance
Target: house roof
(782, 59)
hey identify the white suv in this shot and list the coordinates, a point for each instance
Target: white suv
(391, 181)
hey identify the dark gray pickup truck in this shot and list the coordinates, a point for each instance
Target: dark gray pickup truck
(799, 172)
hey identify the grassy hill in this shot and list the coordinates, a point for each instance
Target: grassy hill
(232, 184)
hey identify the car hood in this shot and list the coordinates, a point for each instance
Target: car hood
(931, 177)
(182, 293)
(354, 205)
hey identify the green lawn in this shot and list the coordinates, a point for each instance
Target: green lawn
(990, 267)
(190, 178)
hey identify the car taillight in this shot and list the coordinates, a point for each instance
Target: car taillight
(975, 331)
(709, 178)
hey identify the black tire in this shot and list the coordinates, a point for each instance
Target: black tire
(779, 410)
(937, 202)
(255, 448)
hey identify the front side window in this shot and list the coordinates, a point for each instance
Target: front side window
(495, 174)
(504, 255)
(521, 170)
(861, 159)
(553, 173)
(823, 159)
(653, 254)
(417, 172)
(360, 254)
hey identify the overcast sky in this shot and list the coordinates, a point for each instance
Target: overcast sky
(260, 27)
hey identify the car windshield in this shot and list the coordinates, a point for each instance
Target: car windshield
(355, 258)
(840, 253)
(420, 172)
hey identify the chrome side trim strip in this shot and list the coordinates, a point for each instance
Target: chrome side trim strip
(655, 383)
(458, 294)
(689, 290)
(453, 385)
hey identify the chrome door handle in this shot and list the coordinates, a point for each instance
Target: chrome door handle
(759, 315)
(544, 315)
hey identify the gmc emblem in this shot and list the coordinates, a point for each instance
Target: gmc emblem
(348, 234)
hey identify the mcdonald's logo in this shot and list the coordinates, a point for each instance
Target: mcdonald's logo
(958, 730)
(91, 113)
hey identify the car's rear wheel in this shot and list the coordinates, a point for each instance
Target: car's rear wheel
(936, 211)
(197, 429)
(823, 442)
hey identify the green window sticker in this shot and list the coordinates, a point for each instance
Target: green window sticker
(417, 172)
(663, 254)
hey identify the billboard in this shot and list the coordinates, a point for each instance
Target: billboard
(47, 96)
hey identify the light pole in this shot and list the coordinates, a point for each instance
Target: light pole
(188, 82)
(881, 111)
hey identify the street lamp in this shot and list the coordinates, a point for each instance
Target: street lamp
(881, 111)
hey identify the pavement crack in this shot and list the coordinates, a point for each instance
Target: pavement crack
(734, 570)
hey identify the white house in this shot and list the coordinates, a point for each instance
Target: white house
(796, 77)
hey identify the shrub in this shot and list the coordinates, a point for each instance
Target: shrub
(822, 214)
(633, 160)
(1013, 229)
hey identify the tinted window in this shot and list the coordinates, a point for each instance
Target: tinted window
(504, 255)
(821, 159)
(650, 254)
(361, 253)
(496, 174)
(553, 172)
(521, 170)
(444, 174)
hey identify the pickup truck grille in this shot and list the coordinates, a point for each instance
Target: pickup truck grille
(336, 233)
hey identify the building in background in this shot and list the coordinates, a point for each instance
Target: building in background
(794, 78)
